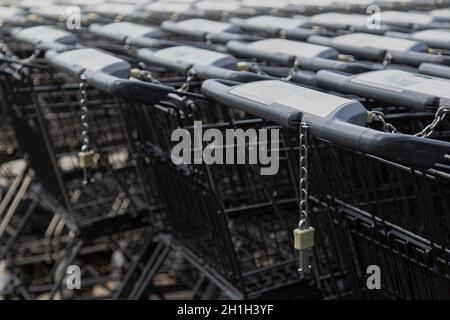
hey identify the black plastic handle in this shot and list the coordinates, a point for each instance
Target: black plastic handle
(172, 27)
(134, 90)
(435, 70)
(415, 58)
(148, 56)
(241, 49)
(359, 53)
(212, 72)
(146, 42)
(272, 31)
(341, 82)
(343, 127)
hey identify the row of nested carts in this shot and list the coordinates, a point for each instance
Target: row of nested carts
(352, 95)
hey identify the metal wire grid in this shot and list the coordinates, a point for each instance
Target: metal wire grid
(53, 98)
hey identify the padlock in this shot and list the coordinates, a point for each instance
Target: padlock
(135, 73)
(303, 238)
(86, 159)
(243, 66)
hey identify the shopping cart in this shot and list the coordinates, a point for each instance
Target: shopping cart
(50, 130)
(374, 197)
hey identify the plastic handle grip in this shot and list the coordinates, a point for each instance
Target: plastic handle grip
(242, 50)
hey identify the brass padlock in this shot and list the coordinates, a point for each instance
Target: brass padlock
(86, 159)
(243, 66)
(303, 238)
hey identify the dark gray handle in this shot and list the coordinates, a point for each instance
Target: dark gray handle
(254, 28)
(359, 53)
(146, 42)
(148, 56)
(416, 58)
(301, 34)
(212, 72)
(316, 64)
(128, 89)
(217, 90)
(225, 37)
(97, 29)
(341, 82)
(241, 49)
(400, 148)
(73, 70)
(172, 27)
(435, 70)
(395, 34)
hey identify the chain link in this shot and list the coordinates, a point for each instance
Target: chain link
(295, 67)
(191, 75)
(303, 187)
(440, 115)
(379, 116)
(148, 77)
(84, 115)
(36, 52)
(387, 59)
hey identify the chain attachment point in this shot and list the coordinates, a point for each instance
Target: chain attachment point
(304, 233)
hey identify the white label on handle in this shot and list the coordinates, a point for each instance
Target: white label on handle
(398, 81)
(296, 97)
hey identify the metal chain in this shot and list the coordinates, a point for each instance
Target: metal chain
(84, 115)
(440, 115)
(387, 59)
(295, 67)
(379, 116)
(148, 77)
(303, 223)
(303, 187)
(36, 52)
(191, 75)
(254, 67)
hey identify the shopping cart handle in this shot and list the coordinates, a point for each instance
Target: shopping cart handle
(99, 30)
(149, 56)
(318, 63)
(415, 58)
(301, 34)
(396, 34)
(343, 82)
(334, 119)
(74, 62)
(172, 27)
(359, 53)
(435, 70)
(218, 90)
(272, 31)
(212, 72)
(134, 90)
(146, 42)
(225, 37)
(43, 34)
(241, 49)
